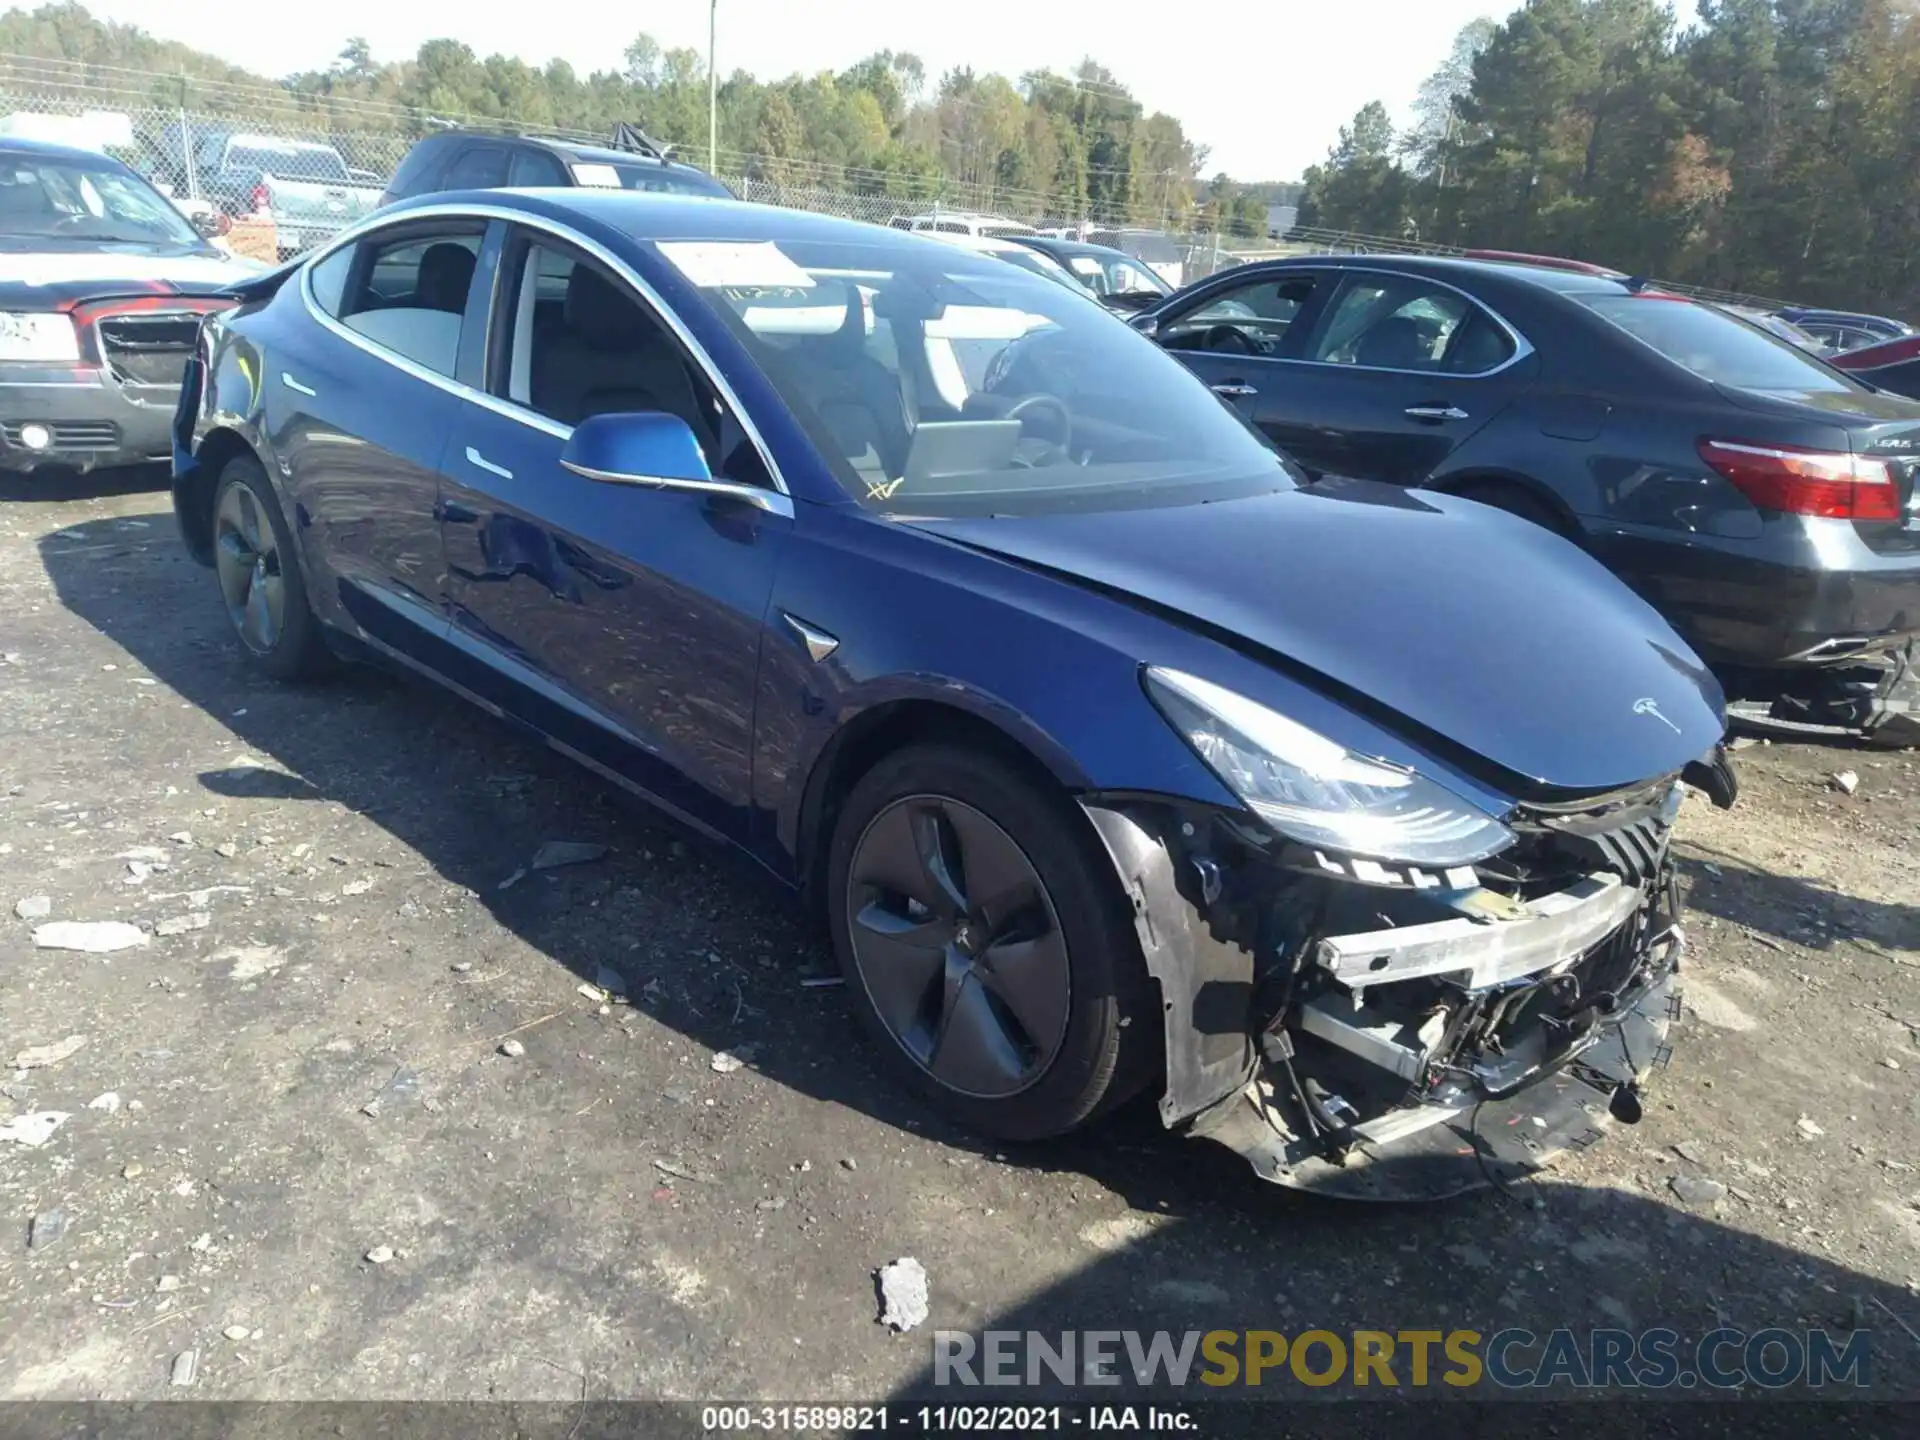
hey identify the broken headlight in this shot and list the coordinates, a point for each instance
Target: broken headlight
(1317, 792)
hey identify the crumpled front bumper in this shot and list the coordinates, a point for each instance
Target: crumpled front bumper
(1436, 1150)
(1225, 1072)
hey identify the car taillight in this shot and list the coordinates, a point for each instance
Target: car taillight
(261, 198)
(1828, 483)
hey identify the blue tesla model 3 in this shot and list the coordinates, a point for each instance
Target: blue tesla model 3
(1115, 758)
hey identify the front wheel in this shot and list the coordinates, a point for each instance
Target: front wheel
(260, 580)
(986, 943)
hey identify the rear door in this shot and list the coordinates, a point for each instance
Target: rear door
(1397, 372)
(362, 404)
(622, 621)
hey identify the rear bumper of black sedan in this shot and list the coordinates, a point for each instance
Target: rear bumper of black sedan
(79, 418)
(1808, 592)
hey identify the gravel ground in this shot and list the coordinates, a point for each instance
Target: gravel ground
(295, 1147)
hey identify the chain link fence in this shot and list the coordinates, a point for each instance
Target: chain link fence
(270, 172)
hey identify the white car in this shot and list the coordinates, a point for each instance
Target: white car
(956, 222)
(1013, 254)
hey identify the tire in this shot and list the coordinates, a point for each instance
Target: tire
(263, 589)
(1516, 501)
(1065, 953)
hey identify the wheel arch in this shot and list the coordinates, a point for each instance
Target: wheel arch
(881, 730)
(194, 491)
(1466, 483)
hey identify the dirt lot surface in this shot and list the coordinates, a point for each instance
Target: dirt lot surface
(294, 1146)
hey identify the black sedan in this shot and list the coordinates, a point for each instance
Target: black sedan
(1763, 501)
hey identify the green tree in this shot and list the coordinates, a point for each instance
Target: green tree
(779, 141)
(1362, 186)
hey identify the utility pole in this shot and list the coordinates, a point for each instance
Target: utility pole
(713, 88)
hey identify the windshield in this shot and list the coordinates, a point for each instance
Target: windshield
(939, 382)
(1715, 346)
(77, 200)
(316, 163)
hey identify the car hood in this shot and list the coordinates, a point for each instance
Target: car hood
(1465, 623)
(57, 278)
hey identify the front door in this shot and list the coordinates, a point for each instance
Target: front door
(623, 622)
(1237, 337)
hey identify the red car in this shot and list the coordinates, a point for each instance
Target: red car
(1891, 365)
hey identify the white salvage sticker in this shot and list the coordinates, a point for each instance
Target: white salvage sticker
(746, 265)
(604, 177)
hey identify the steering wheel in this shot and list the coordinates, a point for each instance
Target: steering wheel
(1058, 443)
(1229, 340)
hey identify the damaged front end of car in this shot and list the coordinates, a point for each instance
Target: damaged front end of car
(1393, 1029)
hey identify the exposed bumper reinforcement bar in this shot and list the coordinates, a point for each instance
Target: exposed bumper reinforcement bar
(1557, 930)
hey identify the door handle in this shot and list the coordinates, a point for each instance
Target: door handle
(480, 462)
(1435, 412)
(1233, 390)
(454, 514)
(295, 386)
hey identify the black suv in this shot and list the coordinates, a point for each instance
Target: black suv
(480, 160)
(1760, 499)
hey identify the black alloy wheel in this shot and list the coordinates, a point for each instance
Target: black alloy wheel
(958, 945)
(246, 555)
(987, 943)
(260, 578)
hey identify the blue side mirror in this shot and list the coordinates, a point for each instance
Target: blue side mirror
(644, 447)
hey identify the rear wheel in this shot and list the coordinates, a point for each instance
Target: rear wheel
(986, 943)
(260, 580)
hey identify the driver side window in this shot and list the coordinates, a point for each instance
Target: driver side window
(1248, 319)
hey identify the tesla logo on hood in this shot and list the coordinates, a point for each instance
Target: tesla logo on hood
(1647, 705)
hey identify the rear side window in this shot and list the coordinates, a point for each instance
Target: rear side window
(1715, 346)
(406, 295)
(416, 169)
(329, 280)
(480, 167)
(536, 167)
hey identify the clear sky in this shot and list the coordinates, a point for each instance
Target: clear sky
(1264, 85)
